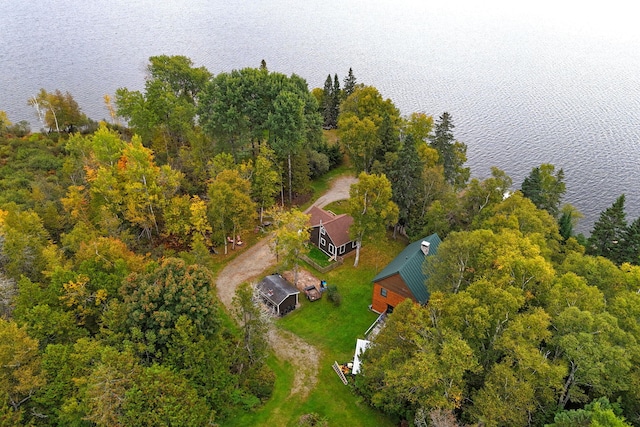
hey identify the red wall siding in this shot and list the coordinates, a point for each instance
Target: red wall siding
(396, 293)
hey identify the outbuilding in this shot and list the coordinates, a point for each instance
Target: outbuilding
(277, 293)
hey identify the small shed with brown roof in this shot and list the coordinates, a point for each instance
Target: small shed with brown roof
(330, 232)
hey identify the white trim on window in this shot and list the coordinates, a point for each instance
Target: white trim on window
(323, 242)
(332, 249)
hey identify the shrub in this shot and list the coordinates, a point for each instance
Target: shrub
(312, 420)
(333, 295)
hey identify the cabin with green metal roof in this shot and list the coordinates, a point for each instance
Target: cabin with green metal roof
(404, 277)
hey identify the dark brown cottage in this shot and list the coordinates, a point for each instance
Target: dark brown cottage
(330, 232)
(278, 294)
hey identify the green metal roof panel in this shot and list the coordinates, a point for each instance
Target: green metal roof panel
(409, 265)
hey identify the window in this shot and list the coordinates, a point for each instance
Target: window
(383, 292)
(342, 249)
(332, 249)
(323, 242)
(322, 231)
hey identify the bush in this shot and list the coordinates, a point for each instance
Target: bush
(318, 164)
(260, 382)
(312, 420)
(333, 295)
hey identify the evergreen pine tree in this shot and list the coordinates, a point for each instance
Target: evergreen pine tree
(607, 234)
(349, 84)
(327, 103)
(545, 188)
(406, 180)
(389, 138)
(630, 243)
(565, 225)
(532, 187)
(452, 153)
(336, 99)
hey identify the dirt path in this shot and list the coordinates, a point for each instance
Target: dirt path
(254, 263)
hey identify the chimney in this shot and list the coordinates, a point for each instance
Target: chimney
(424, 247)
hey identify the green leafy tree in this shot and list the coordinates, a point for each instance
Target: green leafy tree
(178, 73)
(360, 140)
(4, 122)
(420, 126)
(480, 196)
(597, 351)
(154, 301)
(366, 122)
(372, 209)
(545, 188)
(600, 412)
(145, 187)
(608, 232)
(164, 114)
(290, 238)
(230, 209)
(107, 386)
(415, 363)
(253, 323)
(242, 109)
(216, 365)
(452, 153)
(287, 122)
(25, 246)
(523, 385)
(161, 397)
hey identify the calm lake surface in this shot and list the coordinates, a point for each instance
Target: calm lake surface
(544, 83)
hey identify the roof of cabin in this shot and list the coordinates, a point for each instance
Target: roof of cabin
(409, 265)
(336, 226)
(276, 288)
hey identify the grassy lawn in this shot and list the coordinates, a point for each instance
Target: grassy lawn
(318, 256)
(334, 331)
(339, 207)
(279, 409)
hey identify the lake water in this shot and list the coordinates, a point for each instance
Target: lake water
(541, 83)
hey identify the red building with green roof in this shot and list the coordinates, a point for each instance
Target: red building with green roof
(404, 277)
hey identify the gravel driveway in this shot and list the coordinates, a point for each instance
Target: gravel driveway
(256, 262)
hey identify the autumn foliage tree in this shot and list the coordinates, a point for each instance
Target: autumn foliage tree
(372, 209)
(58, 111)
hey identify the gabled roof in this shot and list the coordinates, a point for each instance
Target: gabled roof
(409, 265)
(338, 229)
(276, 288)
(336, 226)
(319, 216)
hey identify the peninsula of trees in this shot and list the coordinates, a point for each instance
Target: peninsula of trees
(111, 234)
